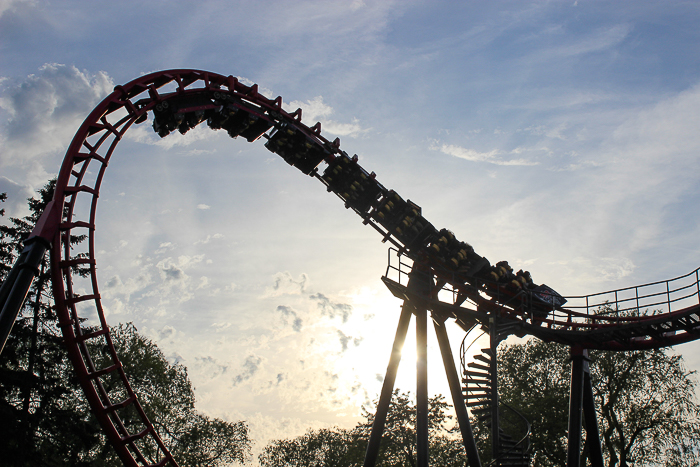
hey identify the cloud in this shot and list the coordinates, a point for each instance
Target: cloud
(649, 164)
(475, 156)
(331, 309)
(176, 284)
(261, 89)
(209, 238)
(345, 340)
(172, 273)
(315, 110)
(168, 332)
(289, 312)
(221, 326)
(251, 365)
(543, 130)
(203, 207)
(46, 109)
(17, 195)
(284, 283)
(124, 289)
(600, 40)
(163, 247)
(144, 134)
(211, 366)
(11, 5)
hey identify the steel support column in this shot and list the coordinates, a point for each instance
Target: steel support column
(388, 386)
(17, 283)
(579, 356)
(495, 425)
(456, 392)
(589, 415)
(422, 387)
(421, 283)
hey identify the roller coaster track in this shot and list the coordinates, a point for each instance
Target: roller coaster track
(475, 288)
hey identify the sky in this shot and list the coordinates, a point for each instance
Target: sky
(558, 135)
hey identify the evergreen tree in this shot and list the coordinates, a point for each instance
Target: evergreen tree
(40, 425)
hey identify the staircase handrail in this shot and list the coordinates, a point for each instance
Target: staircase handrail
(524, 440)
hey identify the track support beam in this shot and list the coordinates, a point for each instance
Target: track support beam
(16, 286)
(495, 417)
(422, 387)
(387, 387)
(595, 452)
(581, 403)
(456, 392)
(578, 356)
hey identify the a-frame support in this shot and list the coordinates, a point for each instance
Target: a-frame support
(582, 405)
(420, 283)
(456, 391)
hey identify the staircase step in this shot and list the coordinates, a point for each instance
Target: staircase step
(478, 394)
(479, 374)
(479, 378)
(476, 365)
(514, 463)
(483, 358)
(512, 458)
(479, 405)
(478, 383)
(483, 399)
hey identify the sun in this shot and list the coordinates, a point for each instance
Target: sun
(373, 326)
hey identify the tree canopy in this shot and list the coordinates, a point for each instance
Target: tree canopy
(647, 410)
(339, 447)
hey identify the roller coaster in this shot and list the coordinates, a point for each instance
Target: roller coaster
(433, 272)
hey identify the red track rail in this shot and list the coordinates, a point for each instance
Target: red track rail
(187, 97)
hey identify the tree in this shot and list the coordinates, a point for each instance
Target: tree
(346, 447)
(44, 419)
(167, 396)
(5, 247)
(647, 412)
(328, 447)
(36, 393)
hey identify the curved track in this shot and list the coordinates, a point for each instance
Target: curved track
(182, 99)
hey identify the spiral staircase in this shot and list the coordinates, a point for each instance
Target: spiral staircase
(509, 448)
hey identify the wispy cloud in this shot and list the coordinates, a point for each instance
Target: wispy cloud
(250, 367)
(491, 157)
(289, 312)
(332, 309)
(315, 110)
(11, 5)
(598, 40)
(284, 283)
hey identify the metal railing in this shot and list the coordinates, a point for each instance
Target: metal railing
(580, 311)
(641, 300)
